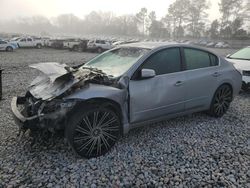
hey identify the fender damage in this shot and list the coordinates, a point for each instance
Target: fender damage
(57, 90)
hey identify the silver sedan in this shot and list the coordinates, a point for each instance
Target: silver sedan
(126, 87)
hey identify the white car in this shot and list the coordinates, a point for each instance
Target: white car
(7, 46)
(99, 45)
(28, 42)
(210, 44)
(222, 45)
(241, 61)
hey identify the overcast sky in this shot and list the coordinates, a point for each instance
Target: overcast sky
(51, 8)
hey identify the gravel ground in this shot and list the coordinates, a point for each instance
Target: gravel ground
(190, 151)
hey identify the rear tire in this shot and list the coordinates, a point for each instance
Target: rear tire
(93, 131)
(9, 49)
(39, 46)
(75, 48)
(221, 101)
(99, 50)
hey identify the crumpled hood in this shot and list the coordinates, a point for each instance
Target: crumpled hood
(58, 78)
(240, 64)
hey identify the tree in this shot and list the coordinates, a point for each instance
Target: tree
(226, 32)
(68, 23)
(179, 11)
(141, 18)
(197, 16)
(168, 23)
(246, 14)
(230, 9)
(151, 19)
(214, 29)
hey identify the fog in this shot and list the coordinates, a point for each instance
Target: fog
(52, 8)
(147, 18)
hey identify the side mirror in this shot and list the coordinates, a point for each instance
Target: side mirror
(228, 55)
(147, 73)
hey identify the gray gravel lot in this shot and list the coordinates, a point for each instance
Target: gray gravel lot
(190, 151)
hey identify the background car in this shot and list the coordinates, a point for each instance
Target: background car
(222, 45)
(76, 44)
(7, 46)
(56, 43)
(99, 45)
(28, 42)
(125, 88)
(241, 60)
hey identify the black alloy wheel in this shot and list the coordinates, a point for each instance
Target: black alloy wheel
(94, 132)
(221, 101)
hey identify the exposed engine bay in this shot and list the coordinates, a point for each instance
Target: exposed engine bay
(44, 105)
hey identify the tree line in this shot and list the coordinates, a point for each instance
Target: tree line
(184, 18)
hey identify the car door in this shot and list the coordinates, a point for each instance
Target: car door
(22, 42)
(29, 42)
(3, 45)
(161, 95)
(202, 70)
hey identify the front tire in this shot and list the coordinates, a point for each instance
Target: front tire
(9, 49)
(75, 48)
(93, 131)
(39, 46)
(221, 101)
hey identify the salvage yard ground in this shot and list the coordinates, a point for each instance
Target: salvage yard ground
(190, 151)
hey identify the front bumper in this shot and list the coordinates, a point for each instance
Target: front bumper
(246, 79)
(22, 121)
(54, 119)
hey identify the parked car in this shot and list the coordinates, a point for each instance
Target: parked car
(99, 45)
(45, 41)
(56, 43)
(222, 45)
(117, 43)
(29, 42)
(7, 46)
(210, 44)
(203, 42)
(124, 88)
(241, 60)
(76, 45)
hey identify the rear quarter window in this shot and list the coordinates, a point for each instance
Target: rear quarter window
(214, 60)
(196, 59)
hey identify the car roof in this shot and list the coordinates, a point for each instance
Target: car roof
(154, 45)
(149, 45)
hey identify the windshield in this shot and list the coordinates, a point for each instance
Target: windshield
(243, 54)
(118, 61)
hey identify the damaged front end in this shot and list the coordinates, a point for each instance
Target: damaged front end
(44, 106)
(30, 113)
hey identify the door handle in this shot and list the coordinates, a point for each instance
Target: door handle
(179, 83)
(216, 74)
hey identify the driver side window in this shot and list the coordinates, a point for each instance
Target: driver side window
(164, 61)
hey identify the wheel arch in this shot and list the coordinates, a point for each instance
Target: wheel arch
(6, 49)
(224, 83)
(104, 102)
